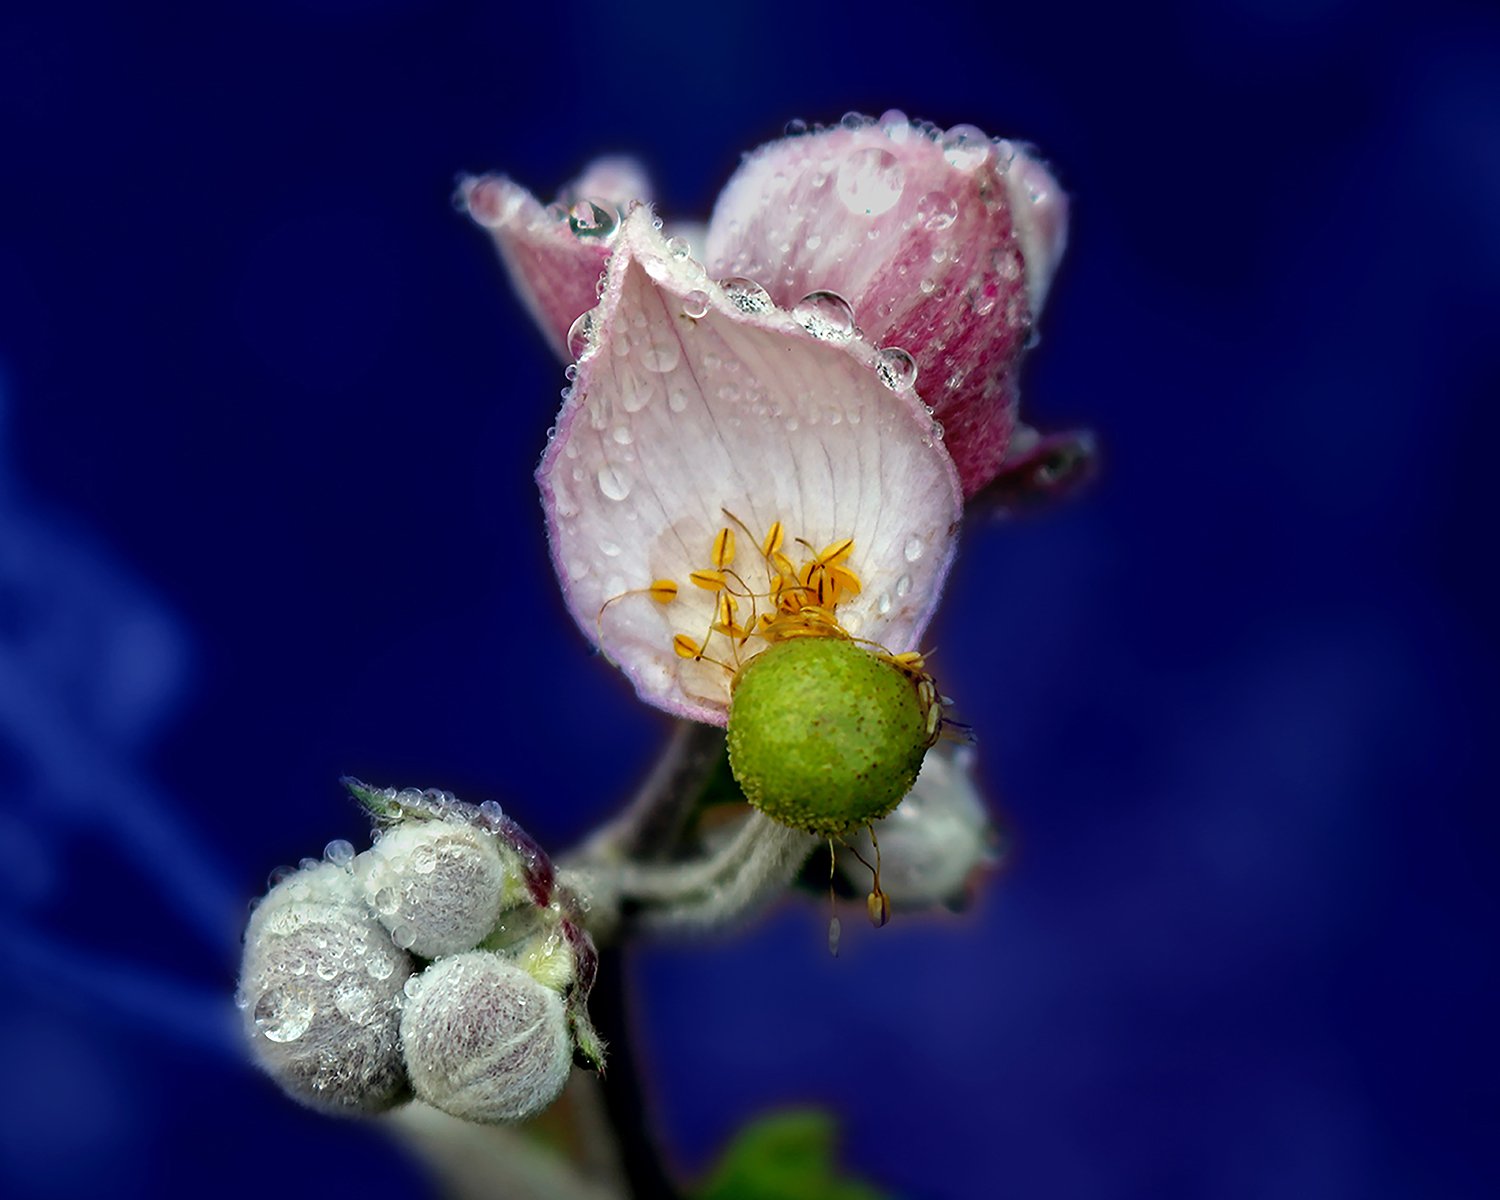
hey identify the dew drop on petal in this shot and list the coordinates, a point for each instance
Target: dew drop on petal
(589, 219)
(745, 294)
(937, 211)
(903, 585)
(677, 400)
(870, 181)
(387, 901)
(695, 304)
(825, 315)
(966, 147)
(897, 369)
(614, 484)
(914, 548)
(884, 606)
(895, 125)
(581, 335)
(796, 127)
(679, 248)
(622, 435)
(662, 356)
(285, 1013)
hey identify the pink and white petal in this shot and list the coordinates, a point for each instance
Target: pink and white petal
(694, 401)
(1039, 211)
(916, 229)
(616, 180)
(555, 271)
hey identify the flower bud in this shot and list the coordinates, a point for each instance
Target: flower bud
(318, 988)
(931, 845)
(484, 1041)
(438, 886)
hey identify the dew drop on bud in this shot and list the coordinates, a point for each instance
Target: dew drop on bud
(695, 304)
(746, 295)
(966, 147)
(897, 369)
(870, 181)
(937, 211)
(825, 315)
(590, 220)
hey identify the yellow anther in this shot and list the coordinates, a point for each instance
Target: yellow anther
(686, 647)
(771, 547)
(724, 613)
(663, 591)
(709, 581)
(845, 581)
(836, 552)
(783, 564)
(723, 551)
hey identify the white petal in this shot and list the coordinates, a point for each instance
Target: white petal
(696, 399)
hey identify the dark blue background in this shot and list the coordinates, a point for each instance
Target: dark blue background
(266, 516)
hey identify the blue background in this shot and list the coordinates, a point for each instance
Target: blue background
(270, 415)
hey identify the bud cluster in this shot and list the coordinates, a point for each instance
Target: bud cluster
(444, 961)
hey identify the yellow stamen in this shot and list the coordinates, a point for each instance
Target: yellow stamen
(663, 591)
(723, 549)
(709, 581)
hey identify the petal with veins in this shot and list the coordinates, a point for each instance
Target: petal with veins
(697, 400)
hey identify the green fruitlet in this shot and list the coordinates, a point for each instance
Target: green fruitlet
(825, 735)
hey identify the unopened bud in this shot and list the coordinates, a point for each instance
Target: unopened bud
(484, 1041)
(932, 844)
(318, 988)
(438, 886)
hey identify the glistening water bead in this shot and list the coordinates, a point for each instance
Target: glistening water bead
(825, 735)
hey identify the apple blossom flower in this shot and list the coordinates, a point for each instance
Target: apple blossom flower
(942, 243)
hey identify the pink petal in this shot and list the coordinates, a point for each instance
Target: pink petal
(554, 256)
(692, 399)
(922, 232)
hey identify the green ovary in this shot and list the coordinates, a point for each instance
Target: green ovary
(825, 736)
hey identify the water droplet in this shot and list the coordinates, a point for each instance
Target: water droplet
(937, 211)
(695, 304)
(581, 336)
(903, 586)
(897, 369)
(895, 125)
(339, 852)
(825, 315)
(854, 120)
(927, 286)
(796, 127)
(914, 547)
(622, 435)
(355, 1001)
(870, 181)
(589, 219)
(966, 147)
(404, 936)
(835, 928)
(285, 1013)
(387, 901)
(613, 483)
(745, 294)
(380, 966)
(491, 811)
(412, 986)
(679, 248)
(814, 240)
(1005, 154)
(885, 603)
(662, 356)
(424, 860)
(677, 400)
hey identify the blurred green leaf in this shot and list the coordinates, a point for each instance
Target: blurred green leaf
(787, 1155)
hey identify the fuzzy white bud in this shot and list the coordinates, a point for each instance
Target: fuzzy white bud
(485, 1041)
(932, 843)
(438, 886)
(318, 989)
